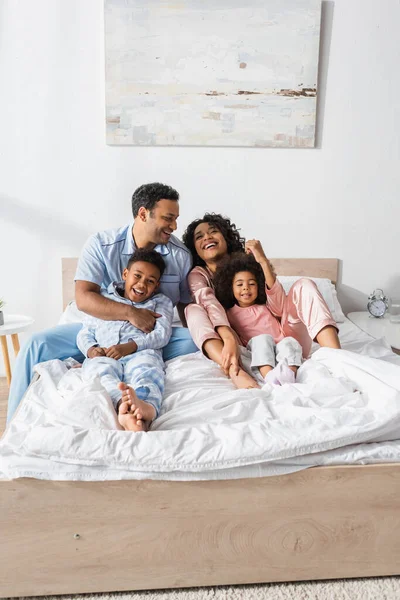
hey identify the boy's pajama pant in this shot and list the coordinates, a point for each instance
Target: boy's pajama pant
(142, 371)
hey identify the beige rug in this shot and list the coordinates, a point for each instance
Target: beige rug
(384, 588)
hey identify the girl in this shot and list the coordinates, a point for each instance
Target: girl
(247, 287)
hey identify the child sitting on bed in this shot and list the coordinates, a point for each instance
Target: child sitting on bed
(240, 287)
(120, 354)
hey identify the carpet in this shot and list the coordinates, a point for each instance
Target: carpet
(383, 588)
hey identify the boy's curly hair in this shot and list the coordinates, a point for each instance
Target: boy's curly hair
(234, 242)
(226, 272)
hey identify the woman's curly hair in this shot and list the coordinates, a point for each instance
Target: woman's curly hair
(234, 242)
(226, 272)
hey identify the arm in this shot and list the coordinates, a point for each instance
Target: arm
(159, 337)
(274, 290)
(87, 343)
(203, 294)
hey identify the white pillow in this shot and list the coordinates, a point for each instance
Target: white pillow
(325, 288)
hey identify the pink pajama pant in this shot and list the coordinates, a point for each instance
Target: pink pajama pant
(305, 313)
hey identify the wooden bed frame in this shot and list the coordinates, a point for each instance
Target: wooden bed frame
(321, 523)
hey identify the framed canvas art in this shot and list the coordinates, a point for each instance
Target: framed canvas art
(212, 72)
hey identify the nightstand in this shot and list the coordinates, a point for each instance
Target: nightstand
(381, 327)
(13, 325)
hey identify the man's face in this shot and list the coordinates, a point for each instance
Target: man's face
(160, 222)
(141, 281)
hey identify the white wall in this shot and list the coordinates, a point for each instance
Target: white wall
(59, 181)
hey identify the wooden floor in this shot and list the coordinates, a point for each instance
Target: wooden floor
(3, 403)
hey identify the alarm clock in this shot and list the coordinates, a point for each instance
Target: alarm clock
(377, 303)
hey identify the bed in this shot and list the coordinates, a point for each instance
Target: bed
(68, 537)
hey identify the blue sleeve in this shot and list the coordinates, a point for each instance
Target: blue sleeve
(184, 293)
(159, 337)
(86, 339)
(91, 265)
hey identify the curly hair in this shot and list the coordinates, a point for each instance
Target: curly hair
(234, 242)
(226, 272)
(148, 256)
(149, 194)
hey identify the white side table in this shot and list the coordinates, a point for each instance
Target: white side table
(13, 325)
(381, 327)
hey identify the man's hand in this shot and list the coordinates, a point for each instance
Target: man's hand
(143, 319)
(255, 248)
(119, 350)
(95, 351)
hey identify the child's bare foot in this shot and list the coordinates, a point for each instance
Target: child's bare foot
(242, 380)
(129, 421)
(139, 408)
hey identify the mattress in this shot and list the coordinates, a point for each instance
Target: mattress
(343, 409)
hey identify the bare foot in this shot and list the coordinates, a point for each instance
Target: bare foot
(127, 420)
(139, 408)
(243, 380)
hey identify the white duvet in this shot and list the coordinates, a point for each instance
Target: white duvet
(342, 404)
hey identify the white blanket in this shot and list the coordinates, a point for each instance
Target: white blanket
(67, 429)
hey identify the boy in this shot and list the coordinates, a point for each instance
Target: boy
(120, 353)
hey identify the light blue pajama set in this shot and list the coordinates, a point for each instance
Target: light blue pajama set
(102, 261)
(143, 370)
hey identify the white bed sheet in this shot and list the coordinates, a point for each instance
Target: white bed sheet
(344, 409)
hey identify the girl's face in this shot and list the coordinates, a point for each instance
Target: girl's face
(209, 243)
(245, 288)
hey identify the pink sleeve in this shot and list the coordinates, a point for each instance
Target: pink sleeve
(203, 294)
(276, 298)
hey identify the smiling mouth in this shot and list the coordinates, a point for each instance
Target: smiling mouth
(210, 246)
(137, 292)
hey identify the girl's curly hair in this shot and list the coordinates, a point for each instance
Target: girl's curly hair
(234, 242)
(226, 272)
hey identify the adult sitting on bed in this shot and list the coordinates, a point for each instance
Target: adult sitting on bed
(303, 313)
(155, 211)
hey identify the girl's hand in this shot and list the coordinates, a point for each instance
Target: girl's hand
(230, 357)
(254, 247)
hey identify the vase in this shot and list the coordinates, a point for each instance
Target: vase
(1, 318)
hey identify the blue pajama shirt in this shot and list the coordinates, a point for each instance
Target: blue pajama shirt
(143, 370)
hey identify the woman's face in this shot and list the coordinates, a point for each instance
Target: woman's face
(209, 243)
(245, 288)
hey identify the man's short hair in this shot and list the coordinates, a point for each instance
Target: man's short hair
(149, 256)
(149, 194)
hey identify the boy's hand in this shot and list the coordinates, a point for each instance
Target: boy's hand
(119, 350)
(95, 351)
(143, 318)
(254, 247)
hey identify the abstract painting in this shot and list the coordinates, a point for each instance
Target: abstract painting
(212, 72)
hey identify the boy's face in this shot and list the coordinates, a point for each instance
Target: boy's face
(141, 281)
(245, 288)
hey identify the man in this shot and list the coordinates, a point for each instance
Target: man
(155, 209)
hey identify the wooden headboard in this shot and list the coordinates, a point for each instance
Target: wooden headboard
(307, 267)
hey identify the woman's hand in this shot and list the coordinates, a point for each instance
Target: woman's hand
(230, 350)
(255, 248)
(230, 357)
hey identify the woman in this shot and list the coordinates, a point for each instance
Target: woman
(303, 312)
